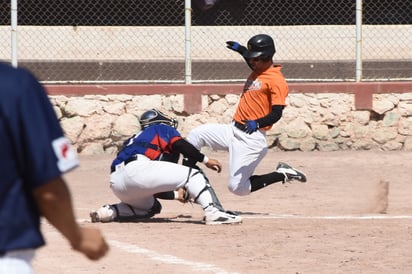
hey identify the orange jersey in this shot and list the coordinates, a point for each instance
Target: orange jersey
(260, 93)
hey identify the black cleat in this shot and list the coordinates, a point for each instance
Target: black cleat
(290, 173)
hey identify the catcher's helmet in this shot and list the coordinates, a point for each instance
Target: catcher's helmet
(261, 46)
(154, 117)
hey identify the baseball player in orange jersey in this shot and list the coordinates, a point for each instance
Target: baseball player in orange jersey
(260, 106)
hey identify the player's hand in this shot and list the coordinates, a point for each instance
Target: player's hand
(251, 126)
(235, 46)
(183, 195)
(214, 164)
(92, 243)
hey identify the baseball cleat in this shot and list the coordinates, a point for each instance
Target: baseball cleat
(214, 216)
(104, 214)
(94, 216)
(290, 173)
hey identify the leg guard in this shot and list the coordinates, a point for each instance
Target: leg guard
(120, 215)
(206, 193)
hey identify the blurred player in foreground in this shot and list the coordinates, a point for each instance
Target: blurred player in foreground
(260, 106)
(34, 155)
(146, 170)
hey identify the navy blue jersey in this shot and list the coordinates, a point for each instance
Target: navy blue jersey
(33, 151)
(154, 142)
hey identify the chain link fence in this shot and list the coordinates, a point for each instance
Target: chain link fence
(112, 41)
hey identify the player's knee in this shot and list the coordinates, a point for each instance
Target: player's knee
(239, 185)
(239, 189)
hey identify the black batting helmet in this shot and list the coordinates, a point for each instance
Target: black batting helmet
(261, 46)
(154, 117)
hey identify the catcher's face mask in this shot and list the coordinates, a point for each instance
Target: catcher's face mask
(154, 116)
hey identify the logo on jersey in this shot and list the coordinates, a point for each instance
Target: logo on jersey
(252, 85)
(66, 157)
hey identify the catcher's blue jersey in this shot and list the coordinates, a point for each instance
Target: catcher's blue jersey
(33, 151)
(154, 142)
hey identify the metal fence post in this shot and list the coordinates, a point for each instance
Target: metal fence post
(188, 24)
(358, 40)
(14, 33)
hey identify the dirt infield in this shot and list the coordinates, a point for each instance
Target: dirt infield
(354, 215)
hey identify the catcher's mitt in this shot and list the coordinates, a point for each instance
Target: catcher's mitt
(183, 195)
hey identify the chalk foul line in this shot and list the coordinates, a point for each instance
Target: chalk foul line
(169, 259)
(333, 217)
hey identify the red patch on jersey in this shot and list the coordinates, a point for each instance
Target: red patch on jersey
(66, 157)
(64, 150)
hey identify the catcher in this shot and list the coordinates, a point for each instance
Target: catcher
(146, 170)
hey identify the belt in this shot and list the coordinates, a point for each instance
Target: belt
(239, 125)
(131, 159)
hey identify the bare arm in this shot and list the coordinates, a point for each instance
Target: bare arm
(54, 202)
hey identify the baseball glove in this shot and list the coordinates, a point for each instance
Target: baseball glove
(183, 196)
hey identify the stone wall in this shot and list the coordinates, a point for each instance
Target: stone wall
(312, 121)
